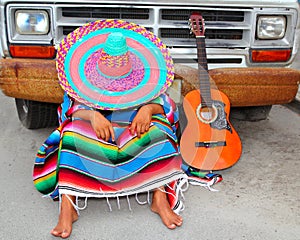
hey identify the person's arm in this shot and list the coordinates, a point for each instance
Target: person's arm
(142, 120)
(102, 127)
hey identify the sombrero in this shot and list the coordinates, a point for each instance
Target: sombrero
(113, 64)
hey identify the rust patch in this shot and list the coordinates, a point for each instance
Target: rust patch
(37, 80)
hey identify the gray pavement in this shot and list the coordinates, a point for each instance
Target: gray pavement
(259, 197)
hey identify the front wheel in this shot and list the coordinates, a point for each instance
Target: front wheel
(34, 115)
(252, 114)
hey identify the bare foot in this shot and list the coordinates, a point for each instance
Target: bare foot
(161, 206)
(67, 217)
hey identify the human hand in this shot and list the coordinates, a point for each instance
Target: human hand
(102, 127)
(141, 121)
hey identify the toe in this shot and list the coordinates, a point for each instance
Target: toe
(171, 226)
(65, 234)
(55, 233)
(179, 223)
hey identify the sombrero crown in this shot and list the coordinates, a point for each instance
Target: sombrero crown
(113, 64)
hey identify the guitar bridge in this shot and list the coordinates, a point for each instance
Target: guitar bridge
(210, 144)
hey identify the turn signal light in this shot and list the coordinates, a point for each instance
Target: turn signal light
(32, 51)
(276, 55)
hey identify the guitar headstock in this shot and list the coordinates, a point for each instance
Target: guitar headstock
(196, 22)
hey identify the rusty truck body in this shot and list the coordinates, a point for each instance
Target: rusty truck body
(250, 47)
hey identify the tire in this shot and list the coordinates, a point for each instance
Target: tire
(252, 114)
(34, 115)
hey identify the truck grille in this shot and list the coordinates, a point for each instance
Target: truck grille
(208, 15)
(209, 34)
(224, 27)
(105, 12)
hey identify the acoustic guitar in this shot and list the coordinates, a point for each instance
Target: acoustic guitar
(209, 141)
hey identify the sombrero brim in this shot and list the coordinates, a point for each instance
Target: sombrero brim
(76, 49)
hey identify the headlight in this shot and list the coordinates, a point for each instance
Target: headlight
(271, 27)
(32, 22)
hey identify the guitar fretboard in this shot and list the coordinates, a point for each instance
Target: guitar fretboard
(203, 72)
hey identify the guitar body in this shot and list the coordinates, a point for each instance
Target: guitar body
(209, 146)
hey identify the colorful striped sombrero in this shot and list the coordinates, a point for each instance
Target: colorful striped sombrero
(113, 64)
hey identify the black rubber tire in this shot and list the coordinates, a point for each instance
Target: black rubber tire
(251, 114)
(34, 115)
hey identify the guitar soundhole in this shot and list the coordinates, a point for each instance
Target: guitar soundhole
(207, 114)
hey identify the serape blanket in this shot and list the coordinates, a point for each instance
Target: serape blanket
(74, 161)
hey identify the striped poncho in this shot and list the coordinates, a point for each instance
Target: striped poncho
(74, 161)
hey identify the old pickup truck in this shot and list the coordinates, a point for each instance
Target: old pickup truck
(250, 47)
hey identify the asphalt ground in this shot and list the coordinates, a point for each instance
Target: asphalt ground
(257, 199)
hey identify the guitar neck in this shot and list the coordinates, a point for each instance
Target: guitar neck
(203, 72)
